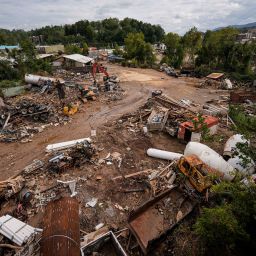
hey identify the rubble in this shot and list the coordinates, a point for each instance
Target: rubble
(118, 177)
(80, 152)
(106, 244)
(11, 186)
(168, 70)
(240, 96)
(154, 219)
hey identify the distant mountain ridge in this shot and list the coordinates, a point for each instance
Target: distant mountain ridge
(244, 26)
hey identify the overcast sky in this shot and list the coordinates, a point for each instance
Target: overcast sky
(173, 15)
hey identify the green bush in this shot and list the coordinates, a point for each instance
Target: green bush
(245, 124)
(134, 63)
(218, 227)
(7, 72)
(243, 78)
(10, 83)
(202, 70)
(144, 65)
(230, 224)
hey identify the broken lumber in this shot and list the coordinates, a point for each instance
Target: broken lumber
(133, 174)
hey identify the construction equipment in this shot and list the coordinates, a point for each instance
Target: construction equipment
(98, 68)
(199, 174)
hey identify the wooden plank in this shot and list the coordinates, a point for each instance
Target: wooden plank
(133, 174)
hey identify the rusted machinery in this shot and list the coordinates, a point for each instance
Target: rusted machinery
(200, 175)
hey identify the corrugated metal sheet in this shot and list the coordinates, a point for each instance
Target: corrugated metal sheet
(79, 58)
(16, 230)
(61, 235)
(44, 55)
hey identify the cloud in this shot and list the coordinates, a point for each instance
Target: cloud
(176, 16)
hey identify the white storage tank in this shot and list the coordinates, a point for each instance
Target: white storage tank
(211, 158)
(34, 79)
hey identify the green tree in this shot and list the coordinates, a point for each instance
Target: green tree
(85, 49)
(27, 61)
(192, 42)
(174, 51)
(136, 48)
(229, 226)
(218, 227)
(72, 48)
(7, 72)
(117, 51)
(220, 51)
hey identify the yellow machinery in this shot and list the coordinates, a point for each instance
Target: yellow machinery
(70, 110)
(199, 174)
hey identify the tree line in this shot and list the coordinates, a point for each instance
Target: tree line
(206, 52)
(104, 32)
(211, 51)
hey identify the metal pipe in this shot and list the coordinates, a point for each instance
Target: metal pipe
(166, 155)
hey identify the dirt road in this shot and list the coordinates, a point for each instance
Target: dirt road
(138, 84)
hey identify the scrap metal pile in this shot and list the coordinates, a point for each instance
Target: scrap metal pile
(15, 120)
(78, 155)
(168, 70)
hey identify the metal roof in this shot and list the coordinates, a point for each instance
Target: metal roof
(78, 57)
(44, 55)
(16, 230)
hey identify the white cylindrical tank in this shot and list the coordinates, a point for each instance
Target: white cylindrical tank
(237, 160)
(237, 163)
(166, 155)
(230, 145)
(211, 158)
(34, 79)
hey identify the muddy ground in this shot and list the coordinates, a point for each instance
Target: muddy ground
(138, 84)
(95, 179)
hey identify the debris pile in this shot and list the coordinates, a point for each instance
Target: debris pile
(127, 187)
(74, 157)
(16, 119)
(168, 70)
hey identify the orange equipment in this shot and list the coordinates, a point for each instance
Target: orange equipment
(98, 68)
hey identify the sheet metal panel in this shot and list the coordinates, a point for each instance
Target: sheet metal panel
(61, 235)
(16, 230)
